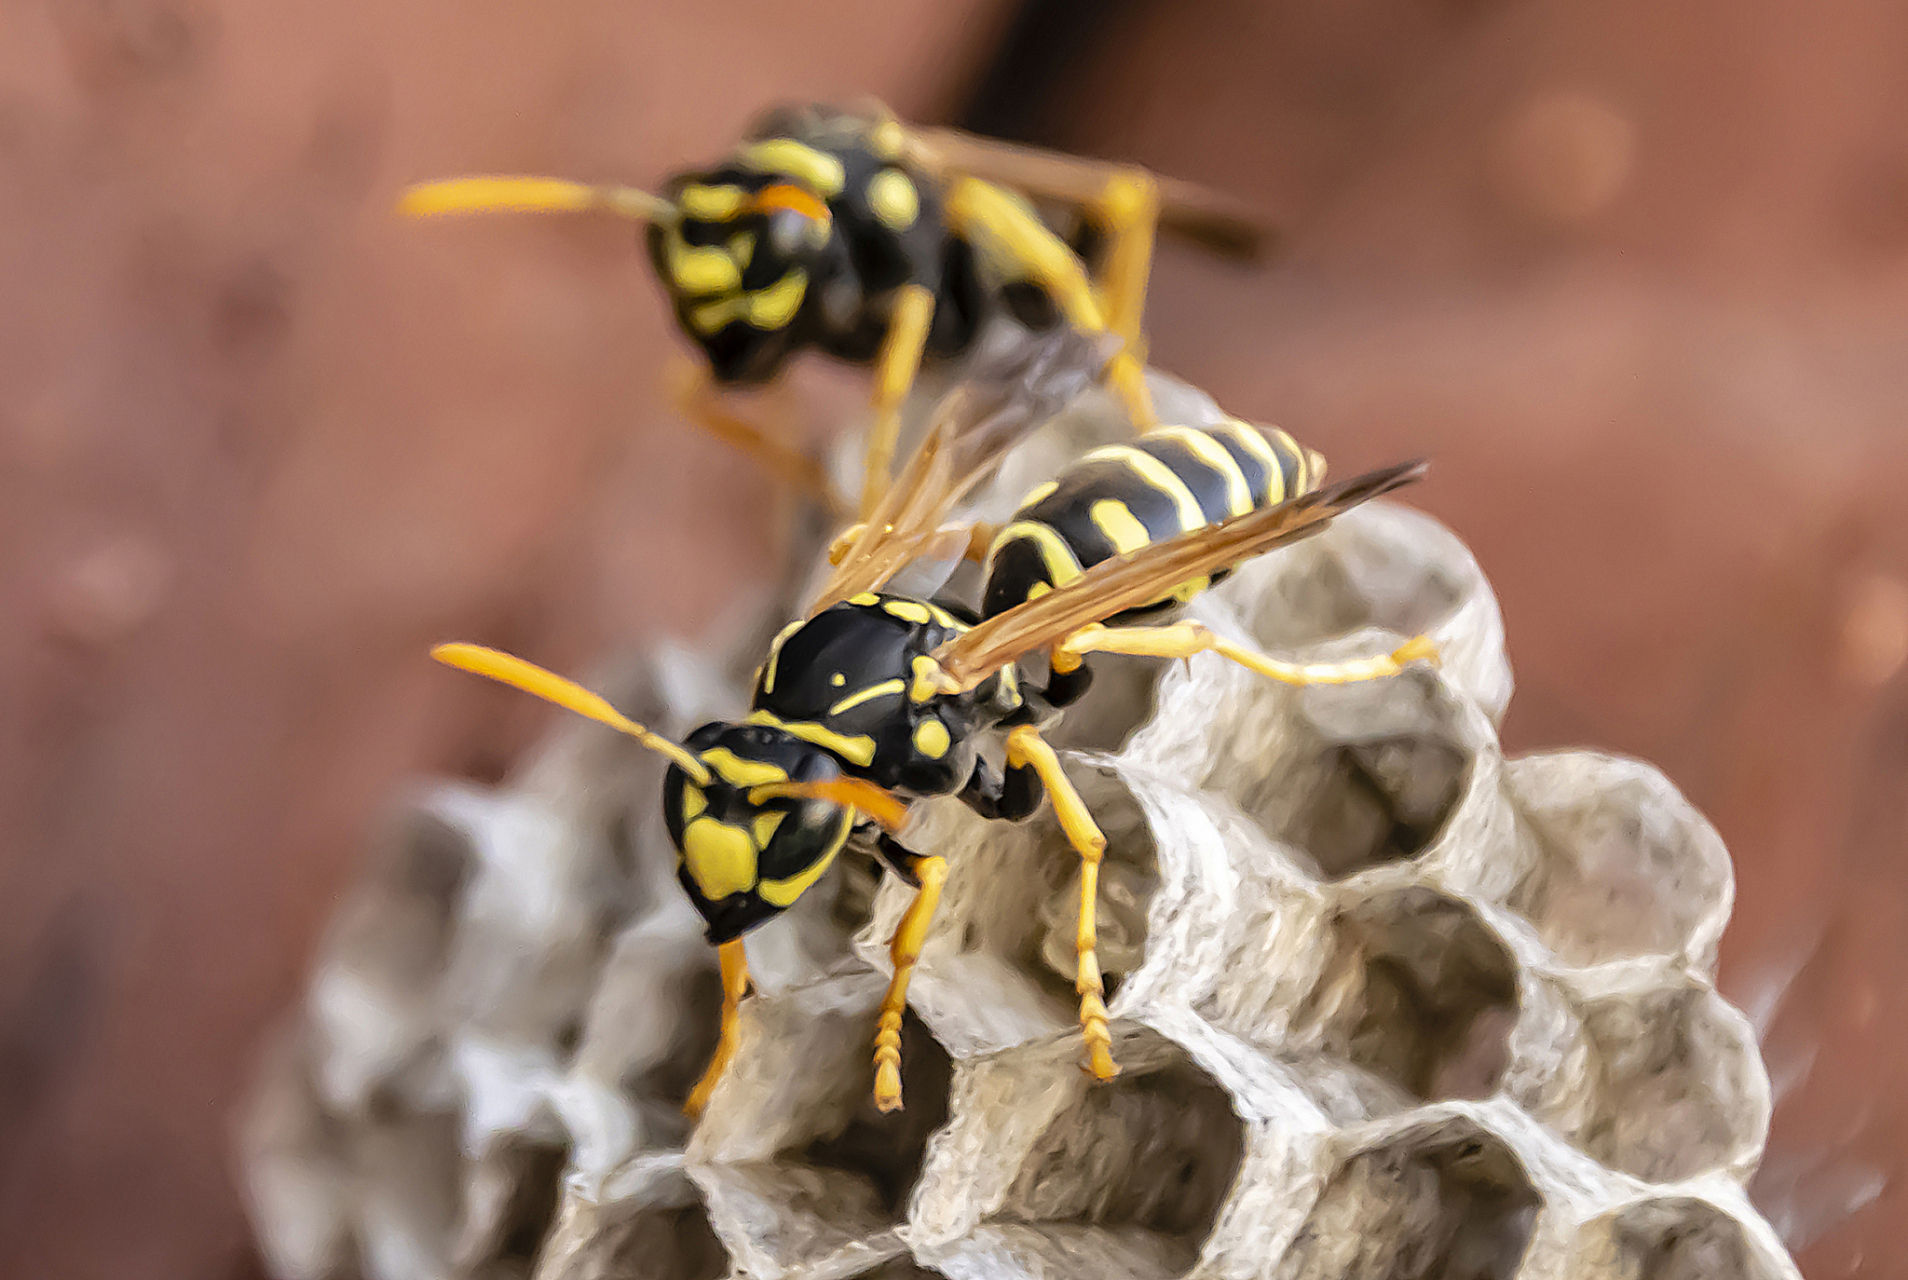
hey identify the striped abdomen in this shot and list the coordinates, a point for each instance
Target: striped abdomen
(1120, 498)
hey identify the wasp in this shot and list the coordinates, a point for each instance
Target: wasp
(881, 243)
(874, 700)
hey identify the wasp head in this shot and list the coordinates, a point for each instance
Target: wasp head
(747, 853)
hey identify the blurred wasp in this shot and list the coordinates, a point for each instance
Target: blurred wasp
(874, 699)
(878, 242)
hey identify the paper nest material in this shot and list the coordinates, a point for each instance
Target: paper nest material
(1388, 1005)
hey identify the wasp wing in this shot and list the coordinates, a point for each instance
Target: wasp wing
(999, 404)
(1211, 219)
(1127, 582)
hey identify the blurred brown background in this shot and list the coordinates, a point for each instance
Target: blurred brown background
(1635, 274)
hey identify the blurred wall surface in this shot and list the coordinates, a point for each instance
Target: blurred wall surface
(1636, 275)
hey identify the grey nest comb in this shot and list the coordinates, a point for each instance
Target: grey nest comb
(1388, 1005)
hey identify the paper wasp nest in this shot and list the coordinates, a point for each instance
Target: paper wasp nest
(1389, 1006)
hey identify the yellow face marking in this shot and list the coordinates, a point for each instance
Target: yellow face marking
(894, 200)
(693, 803)
(1039, 493)
(931, 739)
(908, 611)
(1209, 451)
(700, 271)
(783, 892)
(818, 169)
(886, 689)
(736, 771)
(718, 857)
(775, 653)
(1121, 527)
(763, 828)
(859, 749)
(838, 679)
(866, 599)
(925, 669)
(711, 204)
(1159, 476)
(773, 307)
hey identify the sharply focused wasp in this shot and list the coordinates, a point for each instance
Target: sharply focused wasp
(873, 699)
(874, 241)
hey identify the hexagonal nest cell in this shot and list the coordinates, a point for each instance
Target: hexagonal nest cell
(1682, 1091)
(1420, 993)
(1679, 1238)
(1154, 1149)
(1630, 868)
(1387, 1007)
(1450, 1200)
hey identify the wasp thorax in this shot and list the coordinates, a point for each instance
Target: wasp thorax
(744, 855)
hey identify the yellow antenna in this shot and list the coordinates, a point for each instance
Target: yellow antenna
(534, 680)
(885, 807)
(530, 195)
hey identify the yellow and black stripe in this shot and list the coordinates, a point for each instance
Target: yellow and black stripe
(1123, 497)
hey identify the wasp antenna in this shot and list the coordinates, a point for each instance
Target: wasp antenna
(534, 680)
(530, 195)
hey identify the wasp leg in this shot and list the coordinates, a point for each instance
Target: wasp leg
(904, 949)
(1008, 797)
(1006, 232)
(895, 368)
(1128, 212)
(695, 399)
(976, 538)
(1184, 639)
(735, 984)
(1027, 749)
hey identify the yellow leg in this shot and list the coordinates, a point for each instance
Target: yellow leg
(904, 949)
(1026, 747)
(735, 984)
(1128, 210)
(1183, 639)
(695, 399)
(975, 538)
(1020, 246)
(895, 368)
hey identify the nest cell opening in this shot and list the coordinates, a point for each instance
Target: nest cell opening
(1678, 1096)
(1366, 774)
(887, 1152)
(672, 1239)
(1374, 567)
(665, 1085)
(1673, 1239)
(1420, 993)
(523, 1220)
(1449, 1203)
(1625, 874)
(1154, 1151)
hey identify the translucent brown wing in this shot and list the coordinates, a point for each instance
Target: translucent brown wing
(998, 405)
(1212, 219)
(1127, 582)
